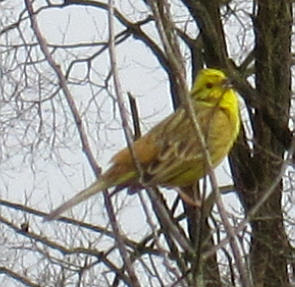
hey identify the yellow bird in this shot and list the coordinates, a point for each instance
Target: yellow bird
(170, 154)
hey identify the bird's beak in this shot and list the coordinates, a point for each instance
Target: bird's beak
(227, 84)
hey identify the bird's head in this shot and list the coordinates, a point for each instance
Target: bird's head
(210, 85)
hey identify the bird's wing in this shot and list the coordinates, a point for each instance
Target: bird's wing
(169, 150)
(179, 156)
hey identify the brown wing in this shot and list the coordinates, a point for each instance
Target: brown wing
(152, 148)
(180, 160)
(179, 152)
(170, 153)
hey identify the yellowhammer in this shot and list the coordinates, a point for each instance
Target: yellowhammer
(170, 154)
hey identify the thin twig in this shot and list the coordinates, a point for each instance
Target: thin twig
(64, 86)
(18, 277)
(156, 234)
(128, 136)
(135, 116)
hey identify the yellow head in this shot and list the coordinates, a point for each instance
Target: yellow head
(212, 89)
(210, 85)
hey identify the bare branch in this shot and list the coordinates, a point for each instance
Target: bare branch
(65, 89)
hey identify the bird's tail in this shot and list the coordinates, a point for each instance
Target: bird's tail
(96, 187)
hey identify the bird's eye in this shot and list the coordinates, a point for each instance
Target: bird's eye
(209, 85)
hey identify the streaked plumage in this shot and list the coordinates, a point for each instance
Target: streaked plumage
(170, 154)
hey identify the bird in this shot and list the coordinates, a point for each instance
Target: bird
(171, 154)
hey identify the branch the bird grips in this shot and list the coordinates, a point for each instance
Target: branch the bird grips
(170, 154)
